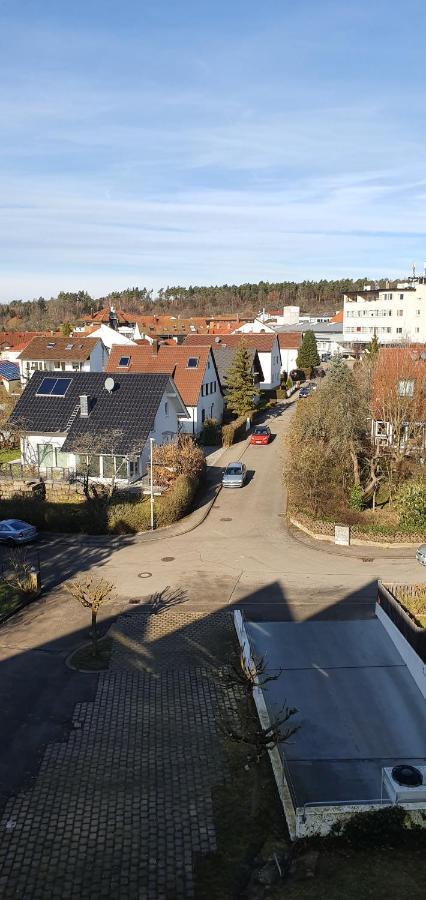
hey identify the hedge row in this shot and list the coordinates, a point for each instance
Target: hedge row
(99, 517)
(236, 430)
(392, 534)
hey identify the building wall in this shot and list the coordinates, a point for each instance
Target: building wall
(288, 359)
(211, 403)
(271, 367)
(397, 315)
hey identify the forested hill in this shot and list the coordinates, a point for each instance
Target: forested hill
(312, 297)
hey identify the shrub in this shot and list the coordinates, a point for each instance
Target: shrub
(173, 505)
(355, 498)
(388, 827)
(235, 431)
(411, 503)
(180, 457)
(129, 518)
(211, 433)
(281, 393)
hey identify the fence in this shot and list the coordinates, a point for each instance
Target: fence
(19, 472)
(390, 597)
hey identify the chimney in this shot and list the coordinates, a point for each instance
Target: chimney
(154, 347)
(84, 406)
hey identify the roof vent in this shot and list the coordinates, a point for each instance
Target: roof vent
(109, 384)
(407, 775)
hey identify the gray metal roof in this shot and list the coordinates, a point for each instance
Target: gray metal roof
(318, 328)
(129, 410)
(224, 357)
(359, 707)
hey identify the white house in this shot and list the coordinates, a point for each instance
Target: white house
(392, 315)
(109, 336)
(194, 373)
(71, 419)
(266, 345)
(55, 353)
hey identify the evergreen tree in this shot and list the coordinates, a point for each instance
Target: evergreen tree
(307, 356)
(240, 390)
(373, 346)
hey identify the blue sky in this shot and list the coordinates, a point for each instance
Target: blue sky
(156, 143)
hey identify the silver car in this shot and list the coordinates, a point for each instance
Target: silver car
(15, 531)
(234, 475)
(421, 554)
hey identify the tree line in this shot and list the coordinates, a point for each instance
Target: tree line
(313, 297)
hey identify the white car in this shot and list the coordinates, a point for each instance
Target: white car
(15, 531)
(421, 554)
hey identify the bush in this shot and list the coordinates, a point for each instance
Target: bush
(387, 827)
(173, 505)
(180, 457)
(129, 518)
(355, 498)
(235, 431)
(411, 503)
(211, 434)
(281, 393)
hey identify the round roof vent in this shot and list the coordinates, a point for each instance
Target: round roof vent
(408, 776)
(109, 384)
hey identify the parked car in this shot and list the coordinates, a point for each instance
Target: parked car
(234, 475)
(261, 435)
(421, 554)
(15, 531)
(304, 392)
(312, 386)
(297, 375)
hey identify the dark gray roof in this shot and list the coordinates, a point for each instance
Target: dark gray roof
(129, 410)
(224, 357)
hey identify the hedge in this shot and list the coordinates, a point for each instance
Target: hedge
(236, 430)
(98, 517)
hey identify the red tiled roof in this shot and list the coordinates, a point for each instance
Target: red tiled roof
(74, 348)
(18, 340)
(338, 318)
(171, 360)
(289, 340)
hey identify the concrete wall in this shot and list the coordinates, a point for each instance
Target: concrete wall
(415, 665)
(318, 820)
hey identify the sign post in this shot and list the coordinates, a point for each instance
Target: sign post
(342, 535)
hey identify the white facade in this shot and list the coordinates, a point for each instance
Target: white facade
(44, 452)
(94, 363)
(270, 361)
(210, 401)
(288, 358)
(392, 315)
(109, 336)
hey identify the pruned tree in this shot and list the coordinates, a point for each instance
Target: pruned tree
(89, 446)
(92, 593)
(308, 356)
(240, 389)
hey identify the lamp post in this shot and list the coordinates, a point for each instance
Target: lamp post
(151, 484)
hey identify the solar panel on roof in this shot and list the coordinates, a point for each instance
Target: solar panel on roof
(53, 387)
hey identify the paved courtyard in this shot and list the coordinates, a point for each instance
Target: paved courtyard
(123, 806)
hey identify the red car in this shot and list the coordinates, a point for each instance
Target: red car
(261, 435)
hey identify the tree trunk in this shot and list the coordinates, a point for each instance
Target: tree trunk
(94, 635)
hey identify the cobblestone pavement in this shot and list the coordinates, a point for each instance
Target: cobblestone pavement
(121, 808)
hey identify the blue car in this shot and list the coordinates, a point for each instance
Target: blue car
(15, 531)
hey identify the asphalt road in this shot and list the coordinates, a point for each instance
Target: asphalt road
(241, 556)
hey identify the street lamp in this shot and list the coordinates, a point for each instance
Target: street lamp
(151, 484)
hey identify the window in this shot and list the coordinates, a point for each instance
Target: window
(166, 409)
(417, 330)
(400, 312)
(61, 460)
(51, 345)
(46, 455)
(69, 346)
(124, 362)
(208, 364)
(202, 390)
(401, 296)
(53, 387)
(108, 467)
(121, 467)
(203, 415)
(193, 362)
(399, 330)
(418, 312)
(406, 387)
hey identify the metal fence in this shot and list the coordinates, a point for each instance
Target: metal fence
(19, 472)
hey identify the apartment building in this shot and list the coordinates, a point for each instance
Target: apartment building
(393, 315)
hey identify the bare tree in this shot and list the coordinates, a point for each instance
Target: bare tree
(92, 593)
(89, 446)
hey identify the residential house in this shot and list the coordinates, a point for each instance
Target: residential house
(10, 377)
(328, 335)
(398, 405)
(59, 354)
(109, 336)
(12, 343)
(266, 345)
(67, 419)
(194, 373)
(392, 315)
(224, 358)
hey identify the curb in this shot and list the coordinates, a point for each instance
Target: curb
(297, 530)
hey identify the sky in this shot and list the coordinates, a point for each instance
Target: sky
(157, 143)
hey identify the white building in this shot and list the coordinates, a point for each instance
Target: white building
(59, 354)
(392, 315)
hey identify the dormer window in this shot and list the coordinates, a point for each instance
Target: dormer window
(124, 362)
(193, 362)
(69, 346)
(51, 345)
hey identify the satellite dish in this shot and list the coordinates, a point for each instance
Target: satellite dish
(109, 384)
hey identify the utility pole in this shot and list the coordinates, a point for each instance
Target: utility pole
(151, 485)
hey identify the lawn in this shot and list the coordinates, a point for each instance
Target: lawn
(8, 455)
(372, 874)
(10, 598)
